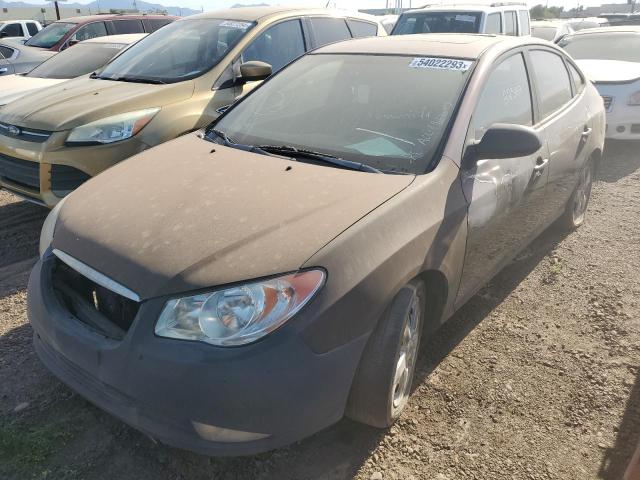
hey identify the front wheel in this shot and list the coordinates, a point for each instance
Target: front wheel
(383, 382)
(576, 209)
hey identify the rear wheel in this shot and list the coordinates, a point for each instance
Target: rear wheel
(383, 382)
(576, 209)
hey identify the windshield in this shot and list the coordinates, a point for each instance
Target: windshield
(438, 22)
(82, 59)
(604, 46)
(180, 51)
(546, 33)
(386, 112)
(49, 36)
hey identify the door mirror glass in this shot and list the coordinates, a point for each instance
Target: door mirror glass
(254, 71)
(507, 141)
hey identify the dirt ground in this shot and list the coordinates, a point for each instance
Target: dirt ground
(537, 377)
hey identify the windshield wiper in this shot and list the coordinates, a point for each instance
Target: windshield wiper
(152, 81)
(318, 156)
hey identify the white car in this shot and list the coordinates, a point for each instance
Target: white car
(19, 28)
(610, 57)
(505, 18)
(551, 30)
(83, 59)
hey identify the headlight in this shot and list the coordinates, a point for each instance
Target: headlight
(634, 99)
(111, 129)
(49, 226)
(241, 314)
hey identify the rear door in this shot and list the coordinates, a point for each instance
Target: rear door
(564, 117)
(504, 195)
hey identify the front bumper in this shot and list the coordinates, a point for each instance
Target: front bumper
(166, 388)
(43, 172)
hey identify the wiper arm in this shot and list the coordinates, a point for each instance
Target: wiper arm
(318, 156)
(152, 81)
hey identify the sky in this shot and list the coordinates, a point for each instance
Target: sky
(349, 4)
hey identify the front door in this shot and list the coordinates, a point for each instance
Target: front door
(503, 194)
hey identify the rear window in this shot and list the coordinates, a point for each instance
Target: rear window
(510, 23)
(361, 29)
(438, 22)
(82, 59)
(6, 52)
(154, 24)
(525, 26)
(50, 35)
(606, 46)
(329, 30)
(122, 27)
(32, 27)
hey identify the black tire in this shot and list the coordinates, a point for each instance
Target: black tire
(576, 209)
(372, 400)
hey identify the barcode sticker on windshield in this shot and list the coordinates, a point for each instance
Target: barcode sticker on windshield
(440, 63)
(232, 24)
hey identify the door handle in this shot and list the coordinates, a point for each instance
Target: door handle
(540, 165)
(586, 132)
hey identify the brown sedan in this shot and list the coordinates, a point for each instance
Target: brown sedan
(236, 290)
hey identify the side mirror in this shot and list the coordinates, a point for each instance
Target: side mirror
(255, 71)
(3, 34)
(72, 42)
(507, 141)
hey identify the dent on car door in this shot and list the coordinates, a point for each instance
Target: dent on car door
(504, 195)
(566, 124)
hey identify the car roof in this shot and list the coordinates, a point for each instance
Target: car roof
(455, 45)
(618, 29)
(125, 39)
(254, 14)
(469, 7)
(93, 18)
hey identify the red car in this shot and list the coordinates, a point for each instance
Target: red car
(66, 33)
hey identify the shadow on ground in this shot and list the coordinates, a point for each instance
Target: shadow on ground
(621, 159)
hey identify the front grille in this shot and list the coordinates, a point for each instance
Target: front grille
(25, 134)
(101, 309)
(608, 103)
(21, 172)
(65, 178)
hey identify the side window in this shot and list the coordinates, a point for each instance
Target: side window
(510, 23)
(552, 81)
(278, 45)
(361, 29)
(151, 25)
(578, 79)
(32, 27)
(329, 30)
(525, 26)
(13, 30)
(506, 97)
(493, 23)
(6, 52)
(93, 30)
(122, 27)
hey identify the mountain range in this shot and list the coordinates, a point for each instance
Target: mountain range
(106, 5)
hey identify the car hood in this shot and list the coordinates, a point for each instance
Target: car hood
(83, 100)
(13, 87)
(610, 71)
(179, 218)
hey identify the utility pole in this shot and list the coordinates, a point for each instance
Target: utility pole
(57, 10)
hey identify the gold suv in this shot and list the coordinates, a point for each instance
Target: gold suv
(174, 81)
